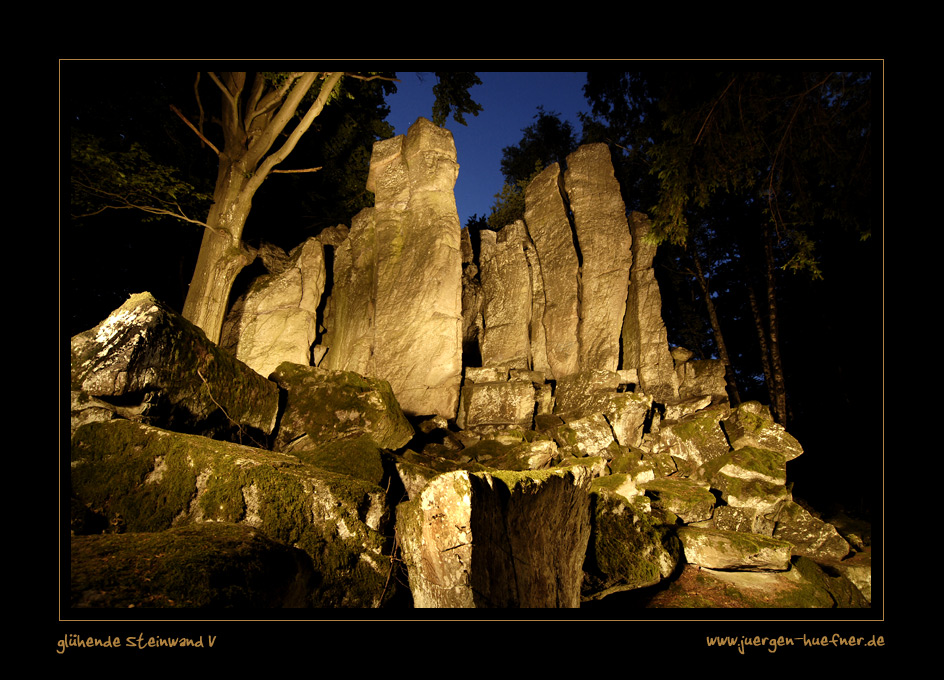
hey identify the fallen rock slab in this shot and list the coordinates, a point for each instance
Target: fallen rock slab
(733, 550)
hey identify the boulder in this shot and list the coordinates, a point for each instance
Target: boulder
(690, 501)
(276, 320)
(694, 440)
(604, 240)
(811, 536)
(750, 424)
(161, 369)
(628, 548)
(733, 550)
(750, 478)
(702, 378)
(497, 403)
(212, 565)
(322, 405)
(144, 479)
(497, 539)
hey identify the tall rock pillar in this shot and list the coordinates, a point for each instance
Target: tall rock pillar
(645, 340)
(549, 226)
(605, 248)
(400, 277)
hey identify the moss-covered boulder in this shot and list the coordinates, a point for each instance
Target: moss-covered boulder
(686, 498)
(323, 405)
(733, 550)
(142, 479)
(750, 424)
(749, 478)
(810, 536)
(694, 440)
(629, 548)
(158, 366)
(211, 565)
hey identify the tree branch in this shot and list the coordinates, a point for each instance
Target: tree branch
(192, 127)
(327, 88)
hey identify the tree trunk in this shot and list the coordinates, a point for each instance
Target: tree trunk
(222, 254)
(761, 339)
(779, 397)
(716, 327)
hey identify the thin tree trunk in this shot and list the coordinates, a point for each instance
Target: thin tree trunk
(761, 339)
(776, 366)
(716, 327)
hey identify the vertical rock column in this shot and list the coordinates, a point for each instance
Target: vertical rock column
(506, 285)
(605, 247)
(645, 340)
(550, 230)
(398, 291)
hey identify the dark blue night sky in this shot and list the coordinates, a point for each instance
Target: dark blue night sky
(509, 101)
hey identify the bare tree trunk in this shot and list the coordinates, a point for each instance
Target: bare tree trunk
(761, 339)
(716, 327)
(779, 397)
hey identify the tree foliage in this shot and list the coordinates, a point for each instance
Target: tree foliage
(453, 98)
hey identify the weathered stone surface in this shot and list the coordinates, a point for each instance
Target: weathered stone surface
(627, 413)
(695, 439)
(811, 536)
(584, 393)
(550, 230)
(143, 479)
(692, 502)
(397, 297)
(704, 378)
(497, 403)
(733, 550)
(506, 290)
(211, 565)
(349, 317)
(277, 319)
(748, 519)
(751, 424)
(163, 369)
(750, 478)
(323, 406)
(645, 340)
(605, 250)
(497, 540)
(589, 436)
(627, 548)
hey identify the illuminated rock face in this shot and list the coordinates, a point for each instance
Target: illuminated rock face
(604, 240)
(645, 340)
(498, 539)
(277, 319)
(163, 370)
(397, 298)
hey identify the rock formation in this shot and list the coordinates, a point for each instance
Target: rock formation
(397, 296)
(583, 458)
(645, 341)
(605, 240)
(277, 319)
(550, 230)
